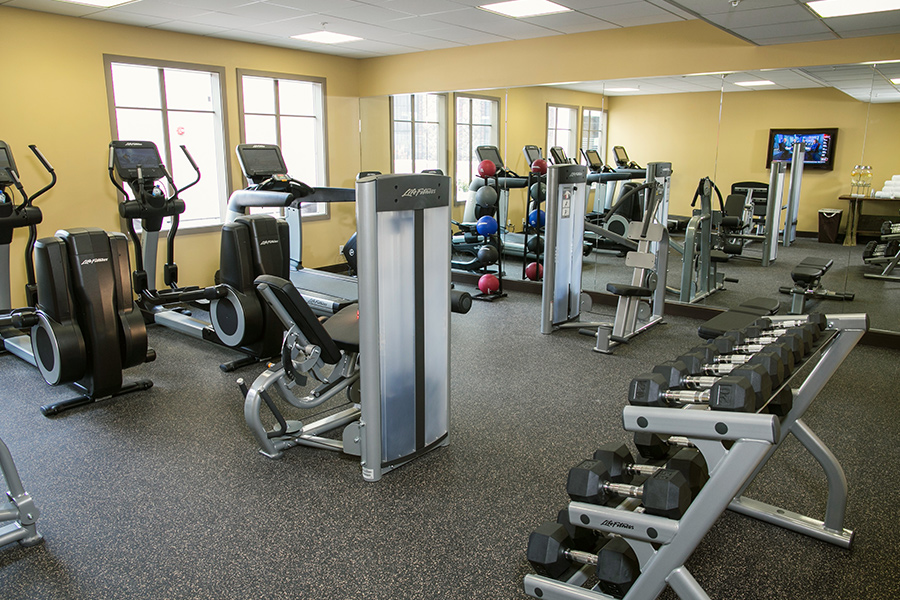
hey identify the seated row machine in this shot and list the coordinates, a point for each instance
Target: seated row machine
(398, 394)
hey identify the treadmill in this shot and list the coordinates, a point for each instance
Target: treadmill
(270, 186)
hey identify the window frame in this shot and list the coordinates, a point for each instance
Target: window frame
(325, 213)
(443, 118)
(576, 131)
(604, 120)
(109, 60)
(495, 128)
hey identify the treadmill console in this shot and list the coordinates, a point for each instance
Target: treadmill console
(594, 162)
(621, 157)
(532, 153)
(558, 154)
(491, 153)
(6, 161)
(261, 161)
(128, 156)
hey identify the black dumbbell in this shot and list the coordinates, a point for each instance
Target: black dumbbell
(816, 318)
(780, 404)
(551, 553)
(731, 393)
(888, 228)
(620, 465)
(678, 375)
(657, 447)
(810, 332)
(741, 355)
(665, 493)
(737, 341)
(701, 360)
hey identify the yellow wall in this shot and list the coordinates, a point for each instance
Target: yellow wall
(56, 97)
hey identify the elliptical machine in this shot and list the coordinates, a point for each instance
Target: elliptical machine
(12, 217)
(238, 319)
(82, 308)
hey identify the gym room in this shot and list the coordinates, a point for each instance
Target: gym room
(575, 419)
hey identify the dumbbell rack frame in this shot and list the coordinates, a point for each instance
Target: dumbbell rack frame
(663, 545)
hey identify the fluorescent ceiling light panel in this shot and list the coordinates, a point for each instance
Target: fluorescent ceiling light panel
(896, 80)
(623, 89)
(520, 9)
(755, 83)
(98, 3)
(326, 37)
(843, 8)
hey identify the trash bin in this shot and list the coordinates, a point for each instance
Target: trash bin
(829, 223)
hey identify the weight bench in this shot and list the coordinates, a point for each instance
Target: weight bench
(738, 317)
(807, 278)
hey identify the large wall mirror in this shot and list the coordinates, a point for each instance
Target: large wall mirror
(707, 125)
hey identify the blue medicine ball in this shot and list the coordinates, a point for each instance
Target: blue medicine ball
(487, 225)
(536, 218)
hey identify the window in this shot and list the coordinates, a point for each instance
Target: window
(288, 111)
(419, 137)
(175, 104)
(562, 128)
(593, 130)
(476, 125)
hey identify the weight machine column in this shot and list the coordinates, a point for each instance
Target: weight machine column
(793, 204)
(404, 324)
(563, 245)
(773, 211)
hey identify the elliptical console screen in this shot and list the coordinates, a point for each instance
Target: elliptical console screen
(128, 156)
(261, 160)
(5, 179)
(559, 155)
(491, 153)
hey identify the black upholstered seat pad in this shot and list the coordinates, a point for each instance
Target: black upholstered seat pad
(622, 289)
(343, 327)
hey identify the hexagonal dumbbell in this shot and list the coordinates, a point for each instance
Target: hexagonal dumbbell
(818, 319)
(702, 360)
(620, 464)
(740, 354)
(731, 393)
(735, 341)
(654, 446)
(665, 493)
(551, 554)
(678, 375)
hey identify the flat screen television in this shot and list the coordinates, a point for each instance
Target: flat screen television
(820, 146)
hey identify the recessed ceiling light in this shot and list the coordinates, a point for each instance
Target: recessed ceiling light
(709, 73)
(623, 89)
(843, 8)
(520, 9)
(99, 3)
(326, 37)
(754, 83)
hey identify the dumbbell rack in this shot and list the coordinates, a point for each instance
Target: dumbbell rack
(736, 446)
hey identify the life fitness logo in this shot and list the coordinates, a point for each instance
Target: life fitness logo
(268, 242)
(413, 192)
(94, 261)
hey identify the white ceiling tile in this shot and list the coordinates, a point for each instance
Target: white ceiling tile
(470, 37)
(113, 16)
(712, 7)
(787, 30)
(419, 7)
(365, 13)
(60, 8)
(157, 8)
(678, 12)
(870, 21)
(631, 14)
(764, 16)
(424, 42)
(415, 24)
(192, 28)
(314, 6)
(492, 23)
(211, 4)
(571, 22)
(265, 11)
(224, 20)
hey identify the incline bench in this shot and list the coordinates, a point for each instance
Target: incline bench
(807, 278)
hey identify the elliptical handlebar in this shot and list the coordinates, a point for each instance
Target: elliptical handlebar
(49, 168)
(193, 165)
